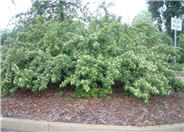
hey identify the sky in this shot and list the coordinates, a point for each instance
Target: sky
(128, 9)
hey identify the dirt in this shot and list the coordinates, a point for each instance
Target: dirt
(118, 110)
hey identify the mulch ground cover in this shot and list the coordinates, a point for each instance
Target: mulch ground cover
(120, 109)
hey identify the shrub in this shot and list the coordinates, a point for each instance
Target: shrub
(181, 45)
(90, 58)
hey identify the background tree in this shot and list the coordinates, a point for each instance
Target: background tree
(163, 10)
(57, 10)
(143, 16)
(49, 10)
(3, 35)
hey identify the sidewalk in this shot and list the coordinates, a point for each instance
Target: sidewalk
(10, 130)
(23, 125)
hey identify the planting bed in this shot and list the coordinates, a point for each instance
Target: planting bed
(118, 110)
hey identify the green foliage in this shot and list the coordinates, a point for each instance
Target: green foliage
(61, 93)
(143, 16)
(108, 98)
(5, 35)
(68, 99)
(164, 103)
(181, 45)
(90, 58)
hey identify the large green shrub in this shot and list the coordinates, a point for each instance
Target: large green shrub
(90, 58)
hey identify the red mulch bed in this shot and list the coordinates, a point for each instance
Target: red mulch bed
(119, 110)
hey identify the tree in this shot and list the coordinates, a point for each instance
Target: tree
(163, 10)
(143, 16)
(57, 10)
(49, 10)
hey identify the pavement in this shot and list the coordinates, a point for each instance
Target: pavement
(22, 125)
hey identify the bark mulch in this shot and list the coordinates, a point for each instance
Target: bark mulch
(119, 110)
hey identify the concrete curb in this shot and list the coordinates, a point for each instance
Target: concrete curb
(44, 126)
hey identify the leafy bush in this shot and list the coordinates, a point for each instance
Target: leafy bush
(90, 58)
(181, 45)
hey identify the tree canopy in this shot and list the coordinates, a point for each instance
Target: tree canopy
(57, 10)
(163, 10)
